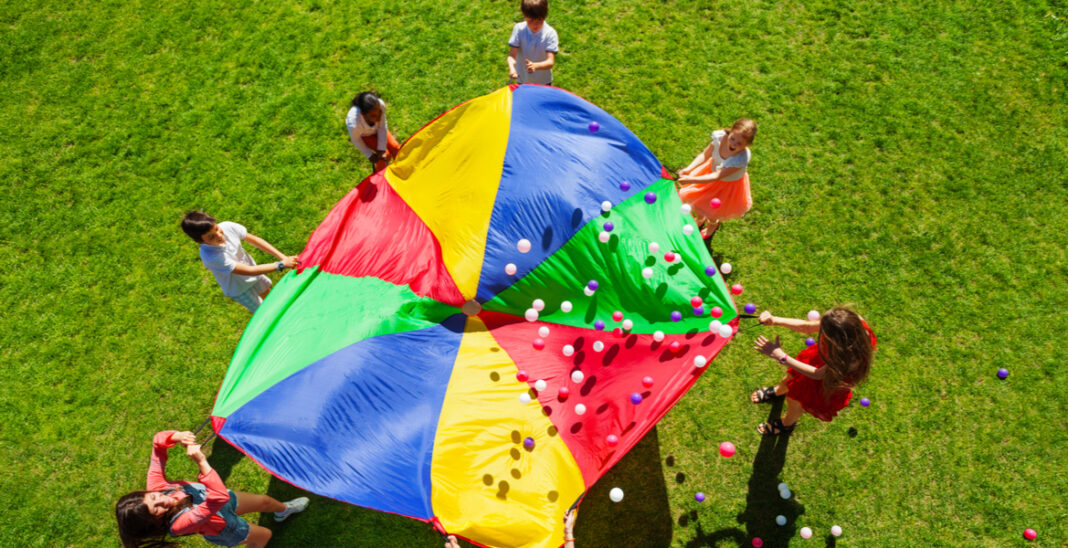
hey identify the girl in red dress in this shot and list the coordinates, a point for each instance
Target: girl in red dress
(820, 379)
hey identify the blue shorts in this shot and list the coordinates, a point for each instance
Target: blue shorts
(236, 530)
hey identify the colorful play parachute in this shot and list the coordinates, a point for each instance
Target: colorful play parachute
(484, 267)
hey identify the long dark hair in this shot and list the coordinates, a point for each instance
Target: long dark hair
(138, 528)
(846, 349)
(366, 101)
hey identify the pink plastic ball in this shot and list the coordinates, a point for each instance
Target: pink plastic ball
(715, 203)
(726, 449)
(757, 542)
(1030, 534)
(674, 346)
(696, 302)
(669, 256)
(564, 392)
(617, 316)
(521, 376)
(716, 312)
(647, 382)
(736, 289)
(538, 344)
(611, 440)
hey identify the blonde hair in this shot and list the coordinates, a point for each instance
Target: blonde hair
(746, 129)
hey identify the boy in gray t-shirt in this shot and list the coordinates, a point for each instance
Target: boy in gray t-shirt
(533, 44)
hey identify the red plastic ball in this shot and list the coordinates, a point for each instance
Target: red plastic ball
(618, 332)
(669, 256)
(617, 316)
(716, 312)
(736, 289)
(647, 382)
(674, 346)
(612, 440)
(538, 344)
(564, 392)
(521, 376)
(696, 302)
(757, 542)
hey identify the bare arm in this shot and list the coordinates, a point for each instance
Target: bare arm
(775, 352)
(548, 63)
(569, 528)
(713, 176)
(798, 325)
(700, 159)
(512, 53)
(264, 246)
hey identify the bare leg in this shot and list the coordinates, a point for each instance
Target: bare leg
(249, 502)
(258, 536)
(793, 412)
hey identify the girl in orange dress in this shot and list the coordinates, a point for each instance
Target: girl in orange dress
(716, 184)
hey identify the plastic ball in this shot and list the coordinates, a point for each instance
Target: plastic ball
(528, 443)
(1002, 373)
(653, 247)
(750, 308)
(737, 289)
(780, 520)
(538, 344)
(594, 126)
(538, 305)
(726, 330)
(836, 530)
(628, 325)
(618, 332)
(592, 284)
(604, 237)
(635, 398)
(696, 302)
(565, 307)
(650, 197)
(806, 532)
(611, 440)
(710, 271)
(714, 326)
(757, 542)
(676, 316)
(540, 385)
(509, 269)
(658, 336)
(577, 376)
(531, 315)
(609, 227)
(726, 449)
(568, 350)
(686, 209)
(726, 268)
(598, 346)
(700, 361)
(699, 497)
(785, 493)
(523, 245)
(624, 186)
(606, 206)
(813, 315)
(687, 229)
(524, 398)
(810, 341)
(716, 312)
(543, 331)
(521, 376)
(1030, 534)
(647, 382)
(864, 402)
(715, 203)
(674, 346)
(564, 392)
(580, 409)
(647, 273)
(598, 325)
(699, 311)
(669, 256)
(784, 487)
(616, 494)
(617, 316)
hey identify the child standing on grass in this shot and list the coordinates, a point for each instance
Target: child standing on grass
(368, 131)
(820, 379)
(716, 183)
(238, 275)
(178, 508)
(533, 45)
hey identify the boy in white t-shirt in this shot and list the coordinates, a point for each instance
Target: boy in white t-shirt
(238, 275)
(534, 45)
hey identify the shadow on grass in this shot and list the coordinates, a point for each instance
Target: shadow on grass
(223, 457)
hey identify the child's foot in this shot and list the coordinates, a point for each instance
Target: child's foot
(709, 229)
(292, 507)
(775, 428)
(764, 395)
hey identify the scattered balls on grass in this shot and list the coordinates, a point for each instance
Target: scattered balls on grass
(726, 268)
(813, 315)
(616, 494)
(757, 542)
(806, 532)
(864, 402)
(1030, 534)
(1003, 373)
(699, 497)
(750, 308)
(780, 520)
(726, 449)
(836, 530)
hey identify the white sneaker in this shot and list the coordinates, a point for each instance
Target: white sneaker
(292, 507)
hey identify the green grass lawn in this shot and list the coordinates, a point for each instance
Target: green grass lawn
(911, 160)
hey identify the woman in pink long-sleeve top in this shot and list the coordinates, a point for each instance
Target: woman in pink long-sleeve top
(207, 507)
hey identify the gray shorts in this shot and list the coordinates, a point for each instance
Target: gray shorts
(251, 299)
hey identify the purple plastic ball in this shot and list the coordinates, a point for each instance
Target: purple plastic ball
(528, 443)
(750, 308)
(699, 311)
(594, 126)
(650, 197)
(592, 285)
(864, 402)
(608, 227)
(598, 325)
(1002, 373)
(710, 271)
(810, 341)
(635, 398)
(699, 497)
(676, 316)
(624, 186)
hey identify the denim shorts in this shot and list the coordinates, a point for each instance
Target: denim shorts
(236, 530)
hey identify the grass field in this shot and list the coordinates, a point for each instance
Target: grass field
(911, 160)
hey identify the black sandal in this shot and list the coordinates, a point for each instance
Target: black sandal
(775, 428)
(765, 395)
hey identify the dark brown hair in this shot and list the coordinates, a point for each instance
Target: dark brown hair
(846, 349)
(535, 9)
(196, 224)
(138, 528)
(745, 128)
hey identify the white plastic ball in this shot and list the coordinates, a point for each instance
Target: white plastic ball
(538, 305)
(658, 336)
(806, 532)
(699, 361)
(565, 307)
(654, 247)
(628, 325)
(603, 237)
(616, 494)
(509, 269)
(785, 494)
(606, 206)
(836, 530)
(714, 326)
(780, 520)
(587, 291)
(540, 385)
(784, 487)
(686, 209)
(524, 398)
(531, 315)
(813, 315)
(577, 376)
(580, 409)
(687, 229)
(647, 273)
(523, 245)
(543, 331)
(568, 350)
(725, 331)
(726, 268)
(598, 346)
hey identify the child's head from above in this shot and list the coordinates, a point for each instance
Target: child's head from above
(845, 347)
(146, 514)
(202, 228)
(740, 135)
(369, 105)
(534, 13)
